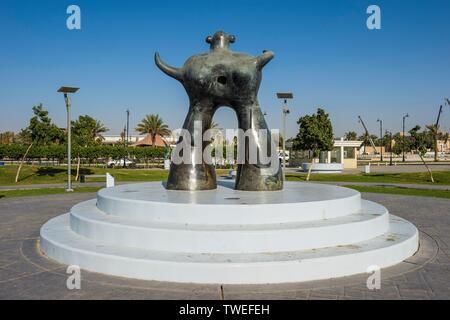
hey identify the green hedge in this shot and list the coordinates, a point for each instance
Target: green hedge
(16, 152)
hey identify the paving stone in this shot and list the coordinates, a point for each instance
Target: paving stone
(351, 298)
(414, 294)
(323, 296)
(302, 295)
(264, 296)
(26, 274)
(329, 291)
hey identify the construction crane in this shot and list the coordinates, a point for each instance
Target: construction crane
(438, 117)
(436, 133)
(368, 134)
(448, 101)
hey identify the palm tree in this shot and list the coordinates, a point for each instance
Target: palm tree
(98, 129)
(213, 125)
(350, 136)
(437, 135)
(445, 137)
(153, 125)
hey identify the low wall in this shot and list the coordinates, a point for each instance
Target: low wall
(324, 167)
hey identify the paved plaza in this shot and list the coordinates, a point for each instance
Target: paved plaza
(26, 274)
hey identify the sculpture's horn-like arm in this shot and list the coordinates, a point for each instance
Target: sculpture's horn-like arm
(170, 71)
(264, 59)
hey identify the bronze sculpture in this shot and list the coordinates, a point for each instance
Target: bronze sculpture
(218, 78)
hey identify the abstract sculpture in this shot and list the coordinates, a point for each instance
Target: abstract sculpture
(218, 78)
(304, 232)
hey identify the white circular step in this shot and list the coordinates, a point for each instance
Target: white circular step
(371, 221)
(305, 232)
(296, 202)
(59, 242)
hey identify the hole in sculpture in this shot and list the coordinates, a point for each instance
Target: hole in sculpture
(222, 80)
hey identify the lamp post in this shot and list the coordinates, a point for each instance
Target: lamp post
(390, 148)
(381, 138)
(284, 96)
(403, 138)
(128, 125)
(66, 91)
(125, 138)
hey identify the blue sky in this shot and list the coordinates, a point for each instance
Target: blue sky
(324, 53)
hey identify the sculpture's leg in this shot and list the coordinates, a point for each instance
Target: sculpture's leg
(195, 174)
(257, 175)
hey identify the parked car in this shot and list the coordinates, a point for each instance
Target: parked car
(119, 163)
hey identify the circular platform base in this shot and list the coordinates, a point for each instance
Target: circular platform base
(304, 232)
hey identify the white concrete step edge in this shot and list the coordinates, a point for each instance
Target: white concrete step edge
(87, 220)
(59, 242)
(151, 202)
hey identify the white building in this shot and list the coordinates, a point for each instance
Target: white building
(114, 139)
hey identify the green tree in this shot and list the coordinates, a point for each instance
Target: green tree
(40, 131)
(401, 143)
(420, 142)
(153, 125)
(436, 135)
(350, 136)
(365, 138)
(315, 134)
(386, 141)
(23, 137)
(397, 148)
(87, 132)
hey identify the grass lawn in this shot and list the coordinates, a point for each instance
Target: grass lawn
(403, 191)
(385, 190)
(42, 175)
(42, 192)
(441, 177)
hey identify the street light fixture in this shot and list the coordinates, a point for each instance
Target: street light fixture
(403, 138)
(390, 148)
(381, 138)
(66, 91)
(284, 96)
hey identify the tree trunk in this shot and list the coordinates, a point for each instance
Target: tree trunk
(21, 162)
(310, 168)
(435, 145)
(78, 169)
(426, 166)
